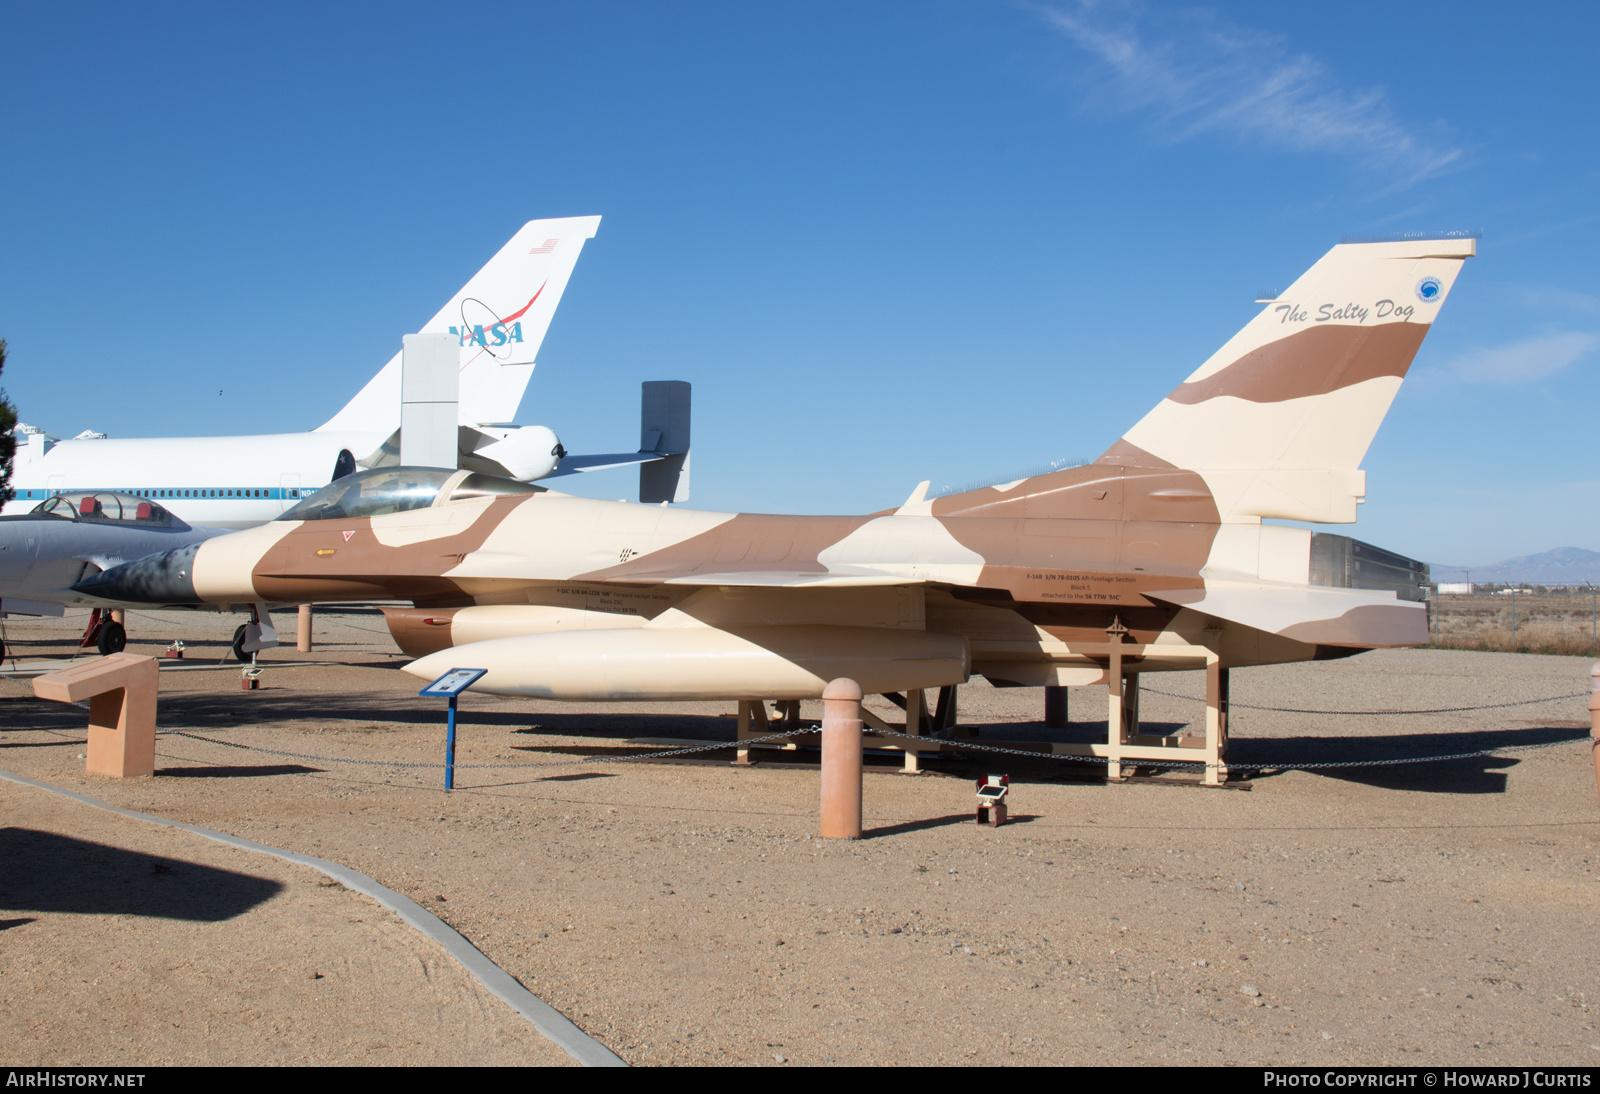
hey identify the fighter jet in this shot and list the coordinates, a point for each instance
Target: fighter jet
(45, 551)
(1154, 557)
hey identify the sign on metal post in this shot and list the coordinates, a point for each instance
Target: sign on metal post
(449, 686)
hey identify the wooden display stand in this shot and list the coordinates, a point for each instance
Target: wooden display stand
(1125, 749)
(121, 690)
(920, 722)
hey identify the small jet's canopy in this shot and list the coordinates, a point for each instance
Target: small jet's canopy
(397, 489)
(95, 506)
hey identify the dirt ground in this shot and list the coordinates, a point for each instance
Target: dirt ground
(1436, 913)
(144, 945)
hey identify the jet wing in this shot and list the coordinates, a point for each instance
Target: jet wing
(1320, 616)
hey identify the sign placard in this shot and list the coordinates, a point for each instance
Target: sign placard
(452, 683)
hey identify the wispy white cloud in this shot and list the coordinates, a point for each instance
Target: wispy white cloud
(1198, 74)
(1521, 361)
(1545, 298)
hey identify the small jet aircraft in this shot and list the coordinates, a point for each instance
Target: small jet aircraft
(499, 319)
(1154, 557)
(46, 551)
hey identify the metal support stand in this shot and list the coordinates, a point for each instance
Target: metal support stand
(302, 630)
(450, 746)
(91, 633)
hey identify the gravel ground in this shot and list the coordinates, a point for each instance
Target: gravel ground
(1434, 913)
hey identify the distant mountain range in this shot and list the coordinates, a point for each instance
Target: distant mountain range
(1563, 566)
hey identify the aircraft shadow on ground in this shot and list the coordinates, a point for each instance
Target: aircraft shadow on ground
(256, 772)
(610, 732)
(47, 872)
(1473, 775)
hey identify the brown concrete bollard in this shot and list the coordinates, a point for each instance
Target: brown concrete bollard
(1594, 721)
(302, 630)
(121, 689)
(841, 760)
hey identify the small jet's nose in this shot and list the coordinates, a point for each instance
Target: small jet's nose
(165, 578)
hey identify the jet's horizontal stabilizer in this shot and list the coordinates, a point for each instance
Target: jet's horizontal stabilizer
(1317, 616)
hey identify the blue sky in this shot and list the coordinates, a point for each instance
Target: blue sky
(885, 241)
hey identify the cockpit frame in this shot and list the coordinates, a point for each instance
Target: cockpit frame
(105, 507)
(385, 490)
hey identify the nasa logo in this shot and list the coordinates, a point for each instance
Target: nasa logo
(487, 334)
(1428, 289)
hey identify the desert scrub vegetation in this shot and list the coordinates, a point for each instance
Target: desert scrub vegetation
(1552, 623)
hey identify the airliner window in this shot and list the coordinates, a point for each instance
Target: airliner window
(104, 505)
(372, 493)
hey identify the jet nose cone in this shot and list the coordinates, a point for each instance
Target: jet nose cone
(165, 578)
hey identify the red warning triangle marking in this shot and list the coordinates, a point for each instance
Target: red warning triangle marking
(347, 536)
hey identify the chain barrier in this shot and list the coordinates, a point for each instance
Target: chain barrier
(710, 747)
(1235, 704)
(957, 745)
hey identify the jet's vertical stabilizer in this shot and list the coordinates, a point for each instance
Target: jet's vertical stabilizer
(1278, 420)
(664, 427)
(430, 390)
(498, 319)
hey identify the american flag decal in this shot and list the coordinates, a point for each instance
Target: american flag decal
(545, 248)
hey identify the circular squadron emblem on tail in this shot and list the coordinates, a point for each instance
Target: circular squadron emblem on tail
(1428, 289)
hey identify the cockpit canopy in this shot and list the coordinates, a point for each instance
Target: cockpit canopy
(106, 505)
(397, 489)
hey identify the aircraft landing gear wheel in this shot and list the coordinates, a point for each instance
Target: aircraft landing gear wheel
(238, 645)
(113, 639)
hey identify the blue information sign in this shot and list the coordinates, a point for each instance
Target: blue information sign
(448, 686)
(452, 683)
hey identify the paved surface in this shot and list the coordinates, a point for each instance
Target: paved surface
(683, 913)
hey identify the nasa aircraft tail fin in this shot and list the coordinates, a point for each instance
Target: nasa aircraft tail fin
(1278, 420)
(499, 319)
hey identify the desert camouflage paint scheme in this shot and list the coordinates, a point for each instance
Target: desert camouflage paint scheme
(571, 598)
